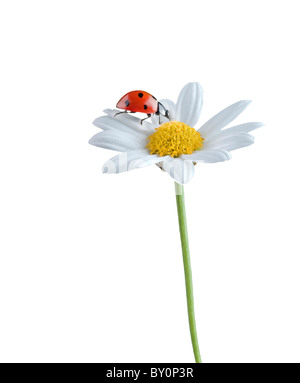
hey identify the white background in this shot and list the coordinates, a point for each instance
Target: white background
(90, 265)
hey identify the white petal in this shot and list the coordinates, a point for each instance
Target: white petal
(229, 142)
(115, 140)
(131, 121)
(182, 171)
(189, 104)
(110, 123)
(242, 128)
(208, 156)
(130, 160)
(223, 118)
(170, 107)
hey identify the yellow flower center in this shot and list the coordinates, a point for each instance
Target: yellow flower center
(174, 138)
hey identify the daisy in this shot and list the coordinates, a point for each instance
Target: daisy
(175, 145)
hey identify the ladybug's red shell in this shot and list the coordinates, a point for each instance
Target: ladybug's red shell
(138, 101)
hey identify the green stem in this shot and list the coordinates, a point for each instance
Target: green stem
(187, 268)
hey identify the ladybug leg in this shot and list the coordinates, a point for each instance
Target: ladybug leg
(159, 118)
(162, 108)
(149, 115)
(125, 111)
(167, 115)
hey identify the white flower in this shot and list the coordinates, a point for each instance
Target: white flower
(124, 133)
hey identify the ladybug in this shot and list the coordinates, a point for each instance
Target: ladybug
(142, 102)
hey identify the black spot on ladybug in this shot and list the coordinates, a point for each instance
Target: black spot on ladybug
(127, 103)
(141, 95)
(145, 107)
